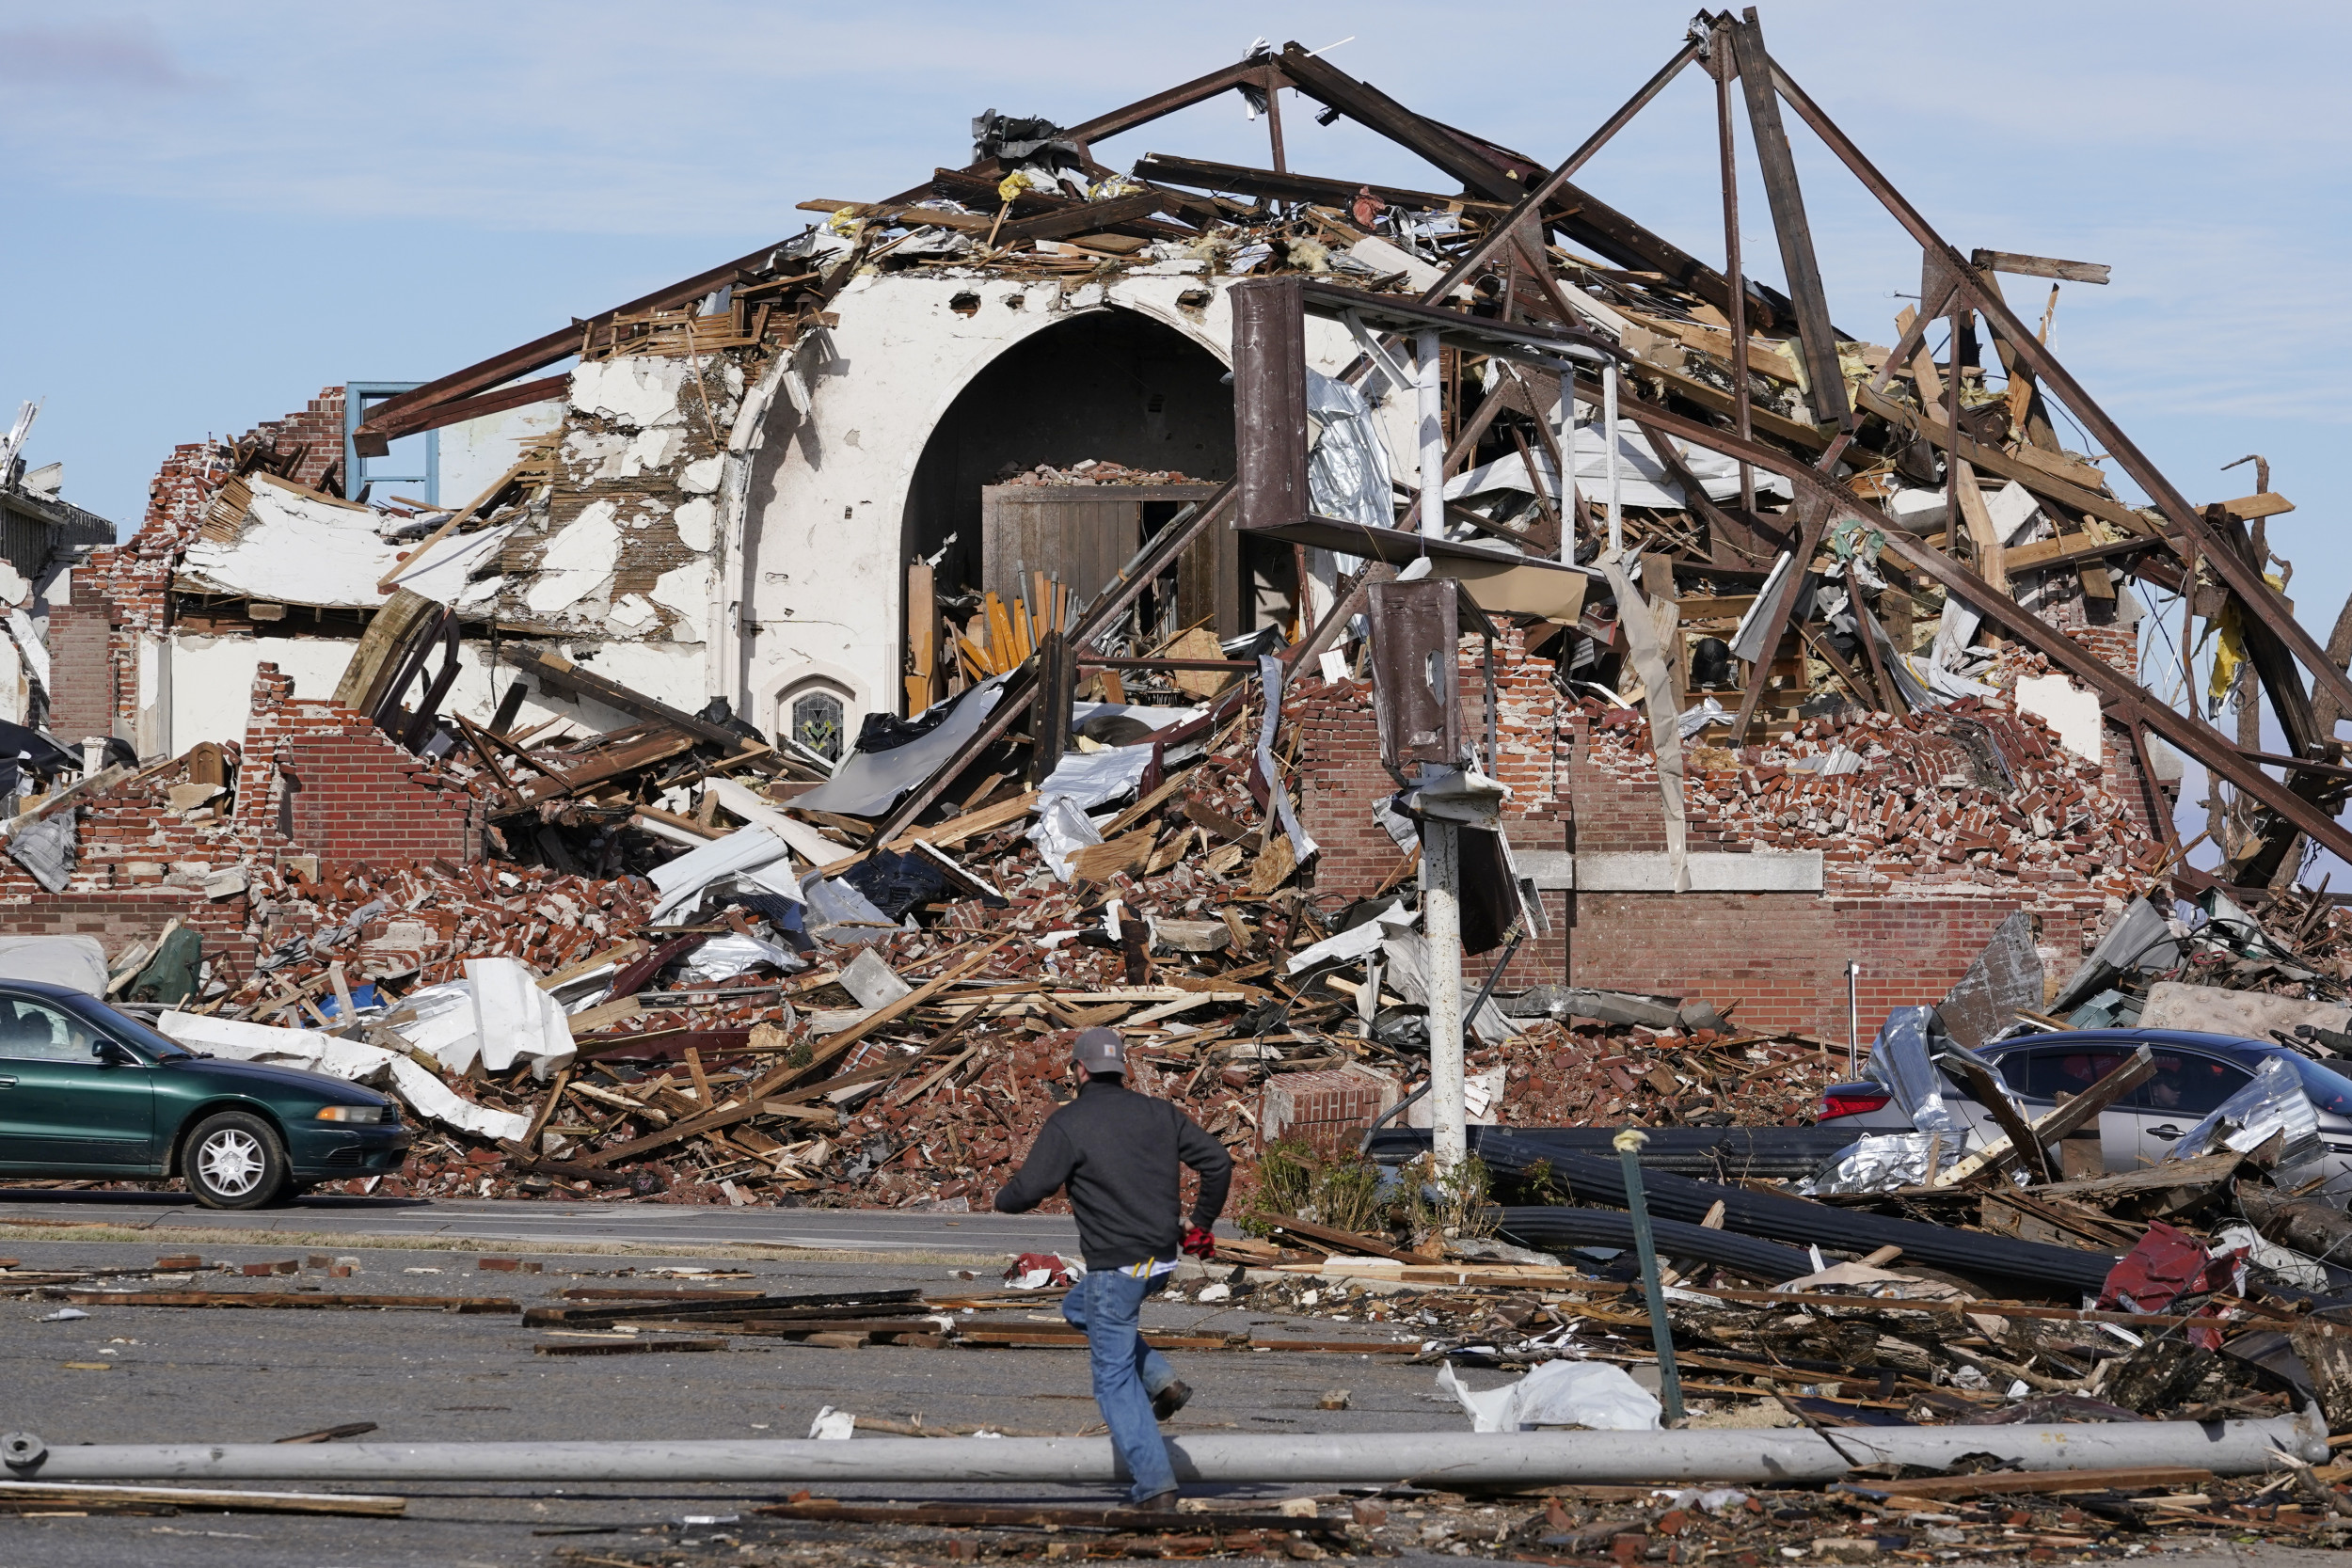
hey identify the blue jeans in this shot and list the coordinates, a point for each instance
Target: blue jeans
(1127, 1372)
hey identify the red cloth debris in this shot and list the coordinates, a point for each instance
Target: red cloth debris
(2168, 1263)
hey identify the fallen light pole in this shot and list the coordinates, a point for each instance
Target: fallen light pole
(1431, 1458)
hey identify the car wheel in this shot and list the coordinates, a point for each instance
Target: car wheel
(235, 1161)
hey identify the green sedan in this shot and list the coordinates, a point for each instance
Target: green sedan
(88, 1092)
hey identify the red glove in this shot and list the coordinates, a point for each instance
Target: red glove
(1198, 1242)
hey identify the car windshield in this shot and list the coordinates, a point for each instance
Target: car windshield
(125, 1030)
(2330, 1091)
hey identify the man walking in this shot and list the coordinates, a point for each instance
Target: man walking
(1117, 1152)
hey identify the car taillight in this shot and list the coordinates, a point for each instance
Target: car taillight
(1847, 1101)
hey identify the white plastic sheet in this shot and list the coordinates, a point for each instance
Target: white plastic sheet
(442, 1024)
(428, 1096)
(269, 1046)
(515, 1020)
(1062, 829)
(1589, 1394)
(76, 962)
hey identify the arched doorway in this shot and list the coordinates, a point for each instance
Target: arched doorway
(1111, 386)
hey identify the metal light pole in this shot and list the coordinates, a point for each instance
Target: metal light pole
(1628, 1147)
(1854, 1021)
(1441, 931)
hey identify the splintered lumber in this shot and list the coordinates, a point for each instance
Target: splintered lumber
(726, 1304)
(626, 1347)
(756, 1101)
(360, 1503)
(1999, 1483)
(1350, 1242)
(290, 1299)
(1013, 1514)
(1072, 1338)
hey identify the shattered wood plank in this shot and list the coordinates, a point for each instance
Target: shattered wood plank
(2035, 476)
(96, 784)
(626, 1347)
(555, 670)
(2130, 700)
(65, 1493)
(1352, 1243)
(2267, 603)
(290, 1300)
(2039, 266)
(1086, 218)
(2008, 1483)
(2267, 503)
(756, 1098)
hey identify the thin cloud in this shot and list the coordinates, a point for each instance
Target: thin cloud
(82, 59)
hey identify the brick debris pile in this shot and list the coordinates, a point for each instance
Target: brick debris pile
(823, 1065)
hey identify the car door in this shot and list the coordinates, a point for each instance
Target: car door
(2042, 1075)
(61, 1106)
(2188, 1086)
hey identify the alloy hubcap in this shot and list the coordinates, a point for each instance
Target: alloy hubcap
(231, 1163)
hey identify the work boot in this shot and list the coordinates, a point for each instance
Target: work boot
(1170, 1399)
(1158, 1502)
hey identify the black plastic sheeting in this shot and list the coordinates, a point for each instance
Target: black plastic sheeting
(895, 881)
(1584, 1177)
(1558, 1230)
(1720, 1153)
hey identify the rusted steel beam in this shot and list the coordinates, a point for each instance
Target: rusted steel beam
(1827, 393)
(1533, 202)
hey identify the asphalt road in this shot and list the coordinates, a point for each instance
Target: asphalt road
(538, 1224)
(196, 1374)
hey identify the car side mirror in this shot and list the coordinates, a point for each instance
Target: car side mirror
(111, 1055)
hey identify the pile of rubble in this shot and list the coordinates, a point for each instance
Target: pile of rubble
(1092, 471)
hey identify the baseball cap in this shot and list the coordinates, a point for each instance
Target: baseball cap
(1099, 1050)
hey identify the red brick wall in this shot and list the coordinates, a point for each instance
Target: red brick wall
(348, 793)
(354, 797)
(1782, 957)
(1340, 776)
(81, 669)
(359, 796)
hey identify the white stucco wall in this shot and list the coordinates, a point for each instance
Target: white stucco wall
(814, 549)
(476, 452)
(211, 688)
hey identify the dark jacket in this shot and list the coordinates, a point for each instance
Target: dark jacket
(1117, 1152)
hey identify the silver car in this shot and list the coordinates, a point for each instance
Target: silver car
(2195, 1074)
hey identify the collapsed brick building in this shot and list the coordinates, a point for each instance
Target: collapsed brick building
(837, 482)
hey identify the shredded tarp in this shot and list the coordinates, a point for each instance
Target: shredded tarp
(868, 783)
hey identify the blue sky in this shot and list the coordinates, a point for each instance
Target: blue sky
(216, 209)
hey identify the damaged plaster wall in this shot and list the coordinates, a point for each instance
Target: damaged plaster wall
(816, 543)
